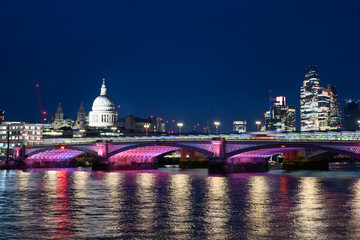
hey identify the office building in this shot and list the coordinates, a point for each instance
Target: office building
(239, 126)
(280, 117)
(319, 107)
(351, 115)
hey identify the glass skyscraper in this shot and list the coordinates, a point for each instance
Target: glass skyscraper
(351, 115)
(309, 112)
(319, 107)
(280, 117)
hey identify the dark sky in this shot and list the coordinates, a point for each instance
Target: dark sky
(191, 61)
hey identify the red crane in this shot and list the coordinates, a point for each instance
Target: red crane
(42, 113)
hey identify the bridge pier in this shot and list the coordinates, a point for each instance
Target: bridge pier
(301, 161)
(305, 164)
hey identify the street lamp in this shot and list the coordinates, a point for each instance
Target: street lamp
(180, 125)
(146, 126)
(82, 132)
(258, 125)
(113, 128)
(217, 127)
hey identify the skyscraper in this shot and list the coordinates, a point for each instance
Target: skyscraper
(309, 113)
(319, 107)
(280, 117)
(335, 113)
(2, 115)
(351, 115)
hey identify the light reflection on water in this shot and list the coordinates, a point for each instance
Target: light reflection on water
(145, 204)
(73, 204)
(217, 208)
(310, 210)
(259, 213)
(354, 206)
(180, 219)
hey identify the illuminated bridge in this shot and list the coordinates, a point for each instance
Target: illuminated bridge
(242, 155)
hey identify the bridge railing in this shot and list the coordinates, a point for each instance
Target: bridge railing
(261, 136)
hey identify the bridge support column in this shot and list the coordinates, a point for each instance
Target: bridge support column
(100, 162)
(19, 156)
(183, 161)
(300, 161)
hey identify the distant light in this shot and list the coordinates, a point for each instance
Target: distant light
(62, 147)
(282, 146)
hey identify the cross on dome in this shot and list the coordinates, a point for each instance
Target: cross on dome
(103, 88)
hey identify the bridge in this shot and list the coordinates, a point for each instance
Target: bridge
(225, 156)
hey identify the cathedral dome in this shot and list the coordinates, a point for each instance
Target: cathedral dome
(103, 103)
(103, 113)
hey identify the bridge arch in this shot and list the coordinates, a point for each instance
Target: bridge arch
(276, 148)
(56, 156)
(159, 144)
(49, 148)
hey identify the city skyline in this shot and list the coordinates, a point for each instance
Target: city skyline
(154, 69)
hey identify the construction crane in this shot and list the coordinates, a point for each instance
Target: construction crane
(42, 113)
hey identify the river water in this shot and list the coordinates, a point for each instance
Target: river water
(175, 204)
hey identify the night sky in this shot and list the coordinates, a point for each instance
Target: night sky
(192, 61)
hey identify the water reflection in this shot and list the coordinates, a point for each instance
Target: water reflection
(283, 207)
(177, 205)
(23, 192)
(217, 207)
(355, 209)
(309, 211)
(81, 200)
(2, 180)
(146, 203)
(115, 199)
(259, 214)
(62, 205)
(49, 199)
(180, 205)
